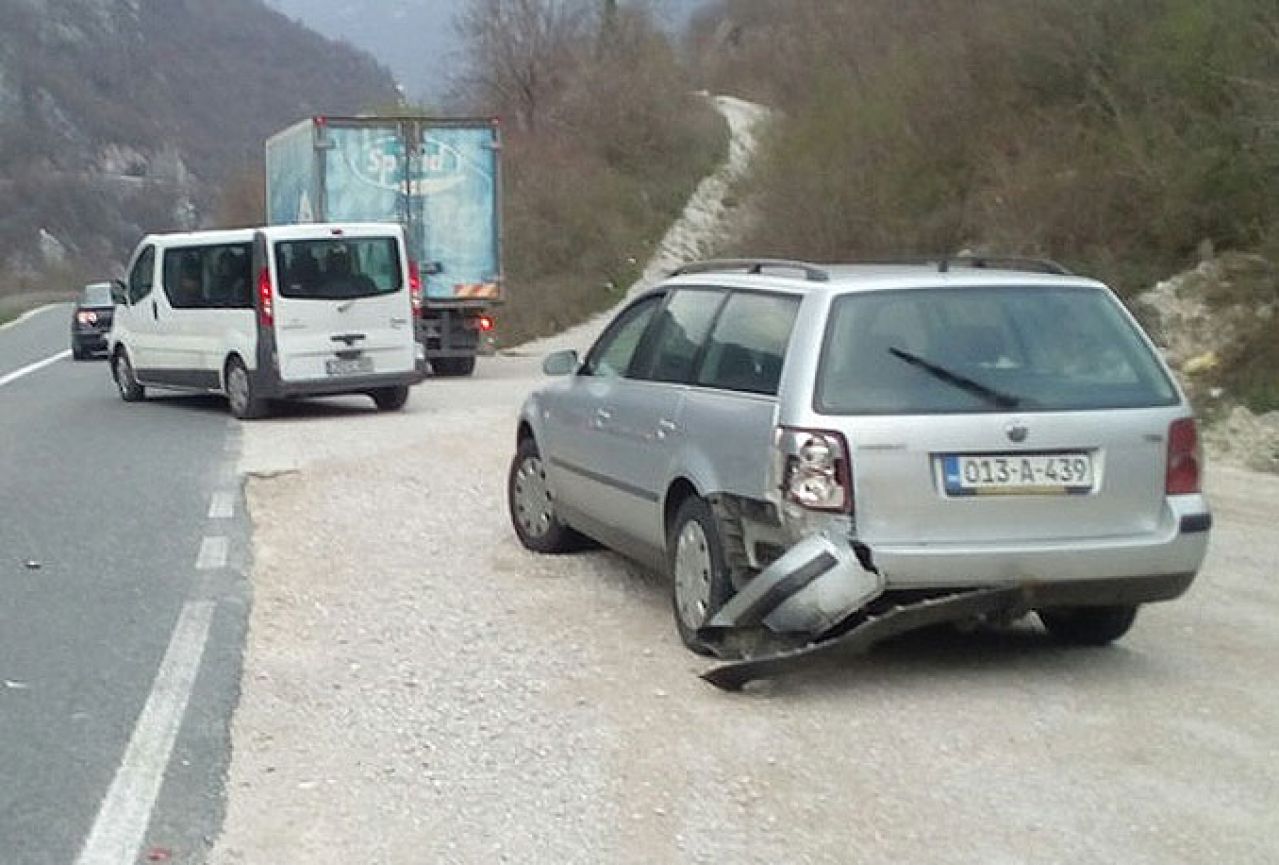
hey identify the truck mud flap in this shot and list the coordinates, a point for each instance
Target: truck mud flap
(732, 676)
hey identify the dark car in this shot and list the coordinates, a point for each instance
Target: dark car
(91, 320)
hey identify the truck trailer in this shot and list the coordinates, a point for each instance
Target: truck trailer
(439, 178)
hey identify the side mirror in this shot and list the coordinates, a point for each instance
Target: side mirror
(560, 363)
(118, 293)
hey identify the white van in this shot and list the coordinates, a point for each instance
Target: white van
(269, 313)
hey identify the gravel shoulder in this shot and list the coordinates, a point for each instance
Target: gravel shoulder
(420, 689)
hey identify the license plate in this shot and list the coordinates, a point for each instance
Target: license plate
(348, 366)
(1017, 474)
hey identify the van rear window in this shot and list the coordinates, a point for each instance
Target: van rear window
(956, 350)
(338, 268)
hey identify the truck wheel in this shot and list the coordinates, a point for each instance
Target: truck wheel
(390, 398)
(244, 403)
(1088, 626)
(532, 505)
(698, 569)
(125, 381)
(453, 366)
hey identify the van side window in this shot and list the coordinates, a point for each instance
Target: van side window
(142, 275)
(746, 350)
(208, 277)
(680, 333)
(613, 354)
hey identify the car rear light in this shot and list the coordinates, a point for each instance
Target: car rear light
(817, 472)
(266, 304)
(484, 323)
(1185, 459)
(86, 316)
(415, 288)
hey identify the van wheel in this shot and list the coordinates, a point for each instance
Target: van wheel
(699, 570)
(1088, 626)
(125, 381)
(453, 366)
(532, 504)
(245, 404)
(390, 398)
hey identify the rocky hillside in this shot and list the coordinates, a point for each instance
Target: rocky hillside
(119, 117)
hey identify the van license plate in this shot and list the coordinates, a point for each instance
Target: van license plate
(1018, 474)
(352, 366)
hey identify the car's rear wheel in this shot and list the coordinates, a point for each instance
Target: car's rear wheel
(699, 571)
(125, 380)
(390, 398)
(453, 366)
(244, 403)
(1088, 626)
(78, 352)
(532, 504)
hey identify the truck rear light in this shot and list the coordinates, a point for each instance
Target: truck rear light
(816, 469)
(1185, 458)
(415, 288)
(266, 303)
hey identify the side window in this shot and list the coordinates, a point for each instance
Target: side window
(681, 332)
(746, 350)
(208, 277)
(611, 357)
(142, 275)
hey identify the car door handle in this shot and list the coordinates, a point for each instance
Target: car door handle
(602, 416)
(666, 427)
(155, 311)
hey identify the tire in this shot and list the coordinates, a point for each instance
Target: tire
(451, 367)
(532, 506)
(700, 576)
(1088, 626)
(125, 380)
(244, 403)
(390, 398)
(78, 353)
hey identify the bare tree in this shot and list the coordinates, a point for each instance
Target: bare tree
(523, 51)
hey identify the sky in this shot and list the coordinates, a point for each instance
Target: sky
(415, 39)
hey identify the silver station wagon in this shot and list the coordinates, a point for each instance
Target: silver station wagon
(810, 449)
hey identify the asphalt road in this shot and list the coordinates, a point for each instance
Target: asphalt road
(105, 509)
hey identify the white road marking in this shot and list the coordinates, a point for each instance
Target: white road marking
(222, 506)
(29, 314)
(122, 820)
(213, 554)
(33, 367)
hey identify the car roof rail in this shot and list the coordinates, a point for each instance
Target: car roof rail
(754, 266)
(1004, 262)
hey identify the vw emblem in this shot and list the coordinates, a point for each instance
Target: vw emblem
(1017, 431)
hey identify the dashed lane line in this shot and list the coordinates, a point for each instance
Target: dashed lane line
(212, 555)
(222, 506)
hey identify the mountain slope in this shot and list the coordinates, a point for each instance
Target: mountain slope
(124, 116)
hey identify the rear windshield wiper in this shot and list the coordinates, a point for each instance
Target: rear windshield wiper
(963, 382)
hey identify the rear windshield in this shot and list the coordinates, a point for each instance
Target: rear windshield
(929, 351)
(98, 294)
(338, 268)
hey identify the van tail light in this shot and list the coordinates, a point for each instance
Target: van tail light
(266, 302)
(415, 288)
(817, 472)
(1185, 458)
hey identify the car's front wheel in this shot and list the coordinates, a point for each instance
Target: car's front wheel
(125, 379)
(532, 504)
(1088, 626)
(699, 571)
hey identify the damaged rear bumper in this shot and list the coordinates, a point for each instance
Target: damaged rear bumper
(831, 599)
